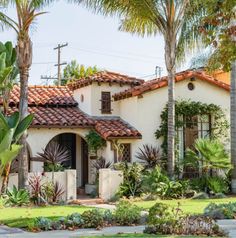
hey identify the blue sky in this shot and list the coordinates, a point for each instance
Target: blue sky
(92, 40)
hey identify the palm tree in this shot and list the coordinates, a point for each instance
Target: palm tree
(233, 124)
(172, 19)
(27, 11)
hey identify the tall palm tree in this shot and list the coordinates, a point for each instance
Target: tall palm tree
(233, 124)
(170, 18)
(27, 11)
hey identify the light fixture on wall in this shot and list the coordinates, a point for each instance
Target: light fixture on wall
(191, 86)
(81, 97)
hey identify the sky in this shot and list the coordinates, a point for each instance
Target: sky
(92, 40)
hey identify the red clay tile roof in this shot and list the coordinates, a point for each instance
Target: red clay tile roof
(45, 96)
(59, 117)
(162, 82)
(105, 77)
(55, 107)
(116, 128)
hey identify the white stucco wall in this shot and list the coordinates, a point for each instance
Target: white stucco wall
(144, 113)
(91, 103)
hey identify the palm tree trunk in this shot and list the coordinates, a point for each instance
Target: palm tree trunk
(170, 55)
(24, 60)
(233, 124)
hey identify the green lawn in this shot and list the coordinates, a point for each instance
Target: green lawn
(24, 217)
(187, 205)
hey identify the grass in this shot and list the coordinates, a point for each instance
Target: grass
(190, 206)
(24, 217)
(142, 236)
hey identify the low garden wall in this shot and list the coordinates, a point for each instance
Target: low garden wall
(109, 182)
(66, 179)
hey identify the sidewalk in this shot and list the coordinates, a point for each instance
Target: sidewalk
(78, 233)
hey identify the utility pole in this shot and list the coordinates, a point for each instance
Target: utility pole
(158, 71)
(59, 64)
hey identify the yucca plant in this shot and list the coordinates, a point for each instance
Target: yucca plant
(54, 155)
(101, 163)
(150, 155)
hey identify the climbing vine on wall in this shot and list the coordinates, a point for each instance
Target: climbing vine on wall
(219, 123)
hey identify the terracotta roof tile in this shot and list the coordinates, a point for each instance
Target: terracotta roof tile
(58, 117)
(162, 82)
(105, 77)
(45, 96)
(116, 128)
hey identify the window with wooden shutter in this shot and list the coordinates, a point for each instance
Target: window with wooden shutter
(106, 102)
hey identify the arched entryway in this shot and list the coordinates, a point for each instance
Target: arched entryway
(78, 150)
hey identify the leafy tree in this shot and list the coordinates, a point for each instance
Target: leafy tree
(27, 11)
(176, 20)
(11, 129)
(74, 71)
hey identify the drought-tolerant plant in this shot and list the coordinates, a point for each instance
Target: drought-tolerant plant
(17, 197)
(163, 219)
(35, 183)
(217, 184)
(74, 220)
(221, 211)
(158, 183)
(53, 156)
(208, 154)
(127, 213)
(108, 216)
(150, 155)
(101, 163)
(43, 223)
(132, 184)
(93, 218)
(57, 192)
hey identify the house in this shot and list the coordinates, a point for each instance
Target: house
(118, 107)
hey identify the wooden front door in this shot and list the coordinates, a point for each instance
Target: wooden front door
(84, 164)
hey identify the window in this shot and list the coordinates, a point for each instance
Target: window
(106, 102)
(126, 153)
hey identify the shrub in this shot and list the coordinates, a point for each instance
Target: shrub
(35, 183)
(221, 211)
(73, 220)
(217, 185)
(157, 183)
(126, 213)
(17, 197)
(132, 184)
(165, 220)
(43, 223)
(92, 218)
(150, 155)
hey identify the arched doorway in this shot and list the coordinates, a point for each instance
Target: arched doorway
(78, 151)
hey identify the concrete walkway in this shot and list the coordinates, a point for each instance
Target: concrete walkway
(78, 233)
(229, 226)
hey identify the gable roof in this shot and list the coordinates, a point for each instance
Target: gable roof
(55, 107)
(162, 82)
(105, 77)
(45, 96)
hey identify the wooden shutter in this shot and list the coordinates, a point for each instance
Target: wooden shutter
(106, 102)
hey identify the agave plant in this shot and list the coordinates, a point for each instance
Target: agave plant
(150, 155)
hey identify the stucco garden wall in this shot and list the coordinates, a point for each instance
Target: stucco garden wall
(66, 179)
(144, 113)
(109, 182)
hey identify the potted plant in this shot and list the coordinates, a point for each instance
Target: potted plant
(95, 142)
